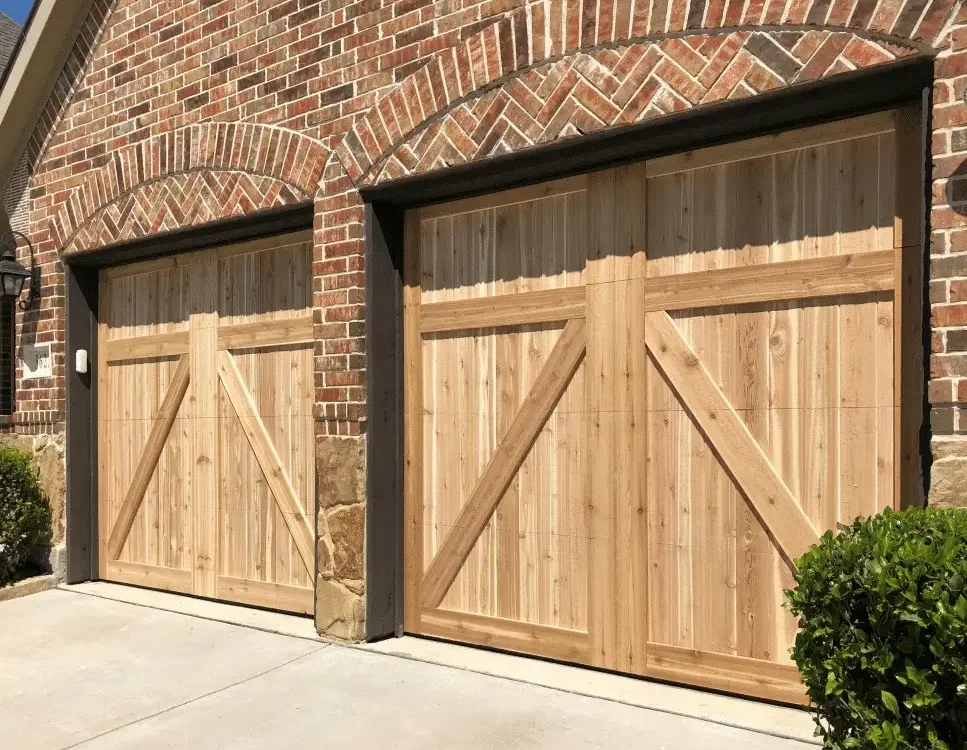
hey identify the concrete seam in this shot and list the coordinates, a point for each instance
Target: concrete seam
(583, 694)
(195, 699)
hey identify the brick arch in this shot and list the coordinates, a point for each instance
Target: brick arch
(496, 90)
(178, 201)
(240, 164)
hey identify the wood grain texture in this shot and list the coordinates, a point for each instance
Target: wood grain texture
(257, 593)
(737, 397)
(811, 278)
(172, 344)
(505, 310)
(728, 434)
(879, 123)
(206, 510)
(509, 635)
(733, 674)
(148, 461)
(504, 463)
(268, 457)
(284, 332)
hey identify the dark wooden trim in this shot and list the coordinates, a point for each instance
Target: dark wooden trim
(384, 443)
(860, 92)
(221, 232)
(82, 291)
(926, 172)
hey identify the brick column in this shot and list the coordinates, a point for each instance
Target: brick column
(947, 388)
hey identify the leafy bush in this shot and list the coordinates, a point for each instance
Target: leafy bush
(882, 645)
(24, 513)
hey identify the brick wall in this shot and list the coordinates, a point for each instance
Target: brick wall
(948, 270)
(174, 113)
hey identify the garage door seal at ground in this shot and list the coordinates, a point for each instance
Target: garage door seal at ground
(772, 720)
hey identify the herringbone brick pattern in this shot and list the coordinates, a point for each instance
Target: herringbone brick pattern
(181, 201)
(605, 88)
(257, 150)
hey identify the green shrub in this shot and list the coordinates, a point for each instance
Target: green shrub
(24, 513)
(882, 645)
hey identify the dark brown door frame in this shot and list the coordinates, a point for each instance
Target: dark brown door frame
(81, 274)
(851, 94)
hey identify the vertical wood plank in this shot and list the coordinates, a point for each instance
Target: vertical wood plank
(508, 394)
(629, 373)
(203, 346)
(412, 423)
(600, 404)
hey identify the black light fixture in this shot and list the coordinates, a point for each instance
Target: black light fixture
(13, 275)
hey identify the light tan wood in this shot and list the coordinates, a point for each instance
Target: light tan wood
(509, 635)
(149, 458)
(546, 306)
(141, 347)
(813, 278)
(284, 332)
(878, 123)
(412, 425)
(728, 434)
(151, 576)
(734, 674)
(246, 591)
(203, 328)
(185, 260)
(504, 463)
(206, 510)
(737, 397)
(527, 194)
(268, 457)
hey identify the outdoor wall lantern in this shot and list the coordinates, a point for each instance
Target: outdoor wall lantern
(13, 275)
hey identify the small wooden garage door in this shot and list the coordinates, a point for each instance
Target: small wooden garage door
(634, 397)
(205, 435)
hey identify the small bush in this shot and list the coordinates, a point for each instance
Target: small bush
(23, 513)
(882, 645)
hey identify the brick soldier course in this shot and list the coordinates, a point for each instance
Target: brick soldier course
(174, 113)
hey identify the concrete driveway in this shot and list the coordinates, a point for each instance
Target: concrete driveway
(82, 671)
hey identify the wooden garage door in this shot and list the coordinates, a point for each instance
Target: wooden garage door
(634, 397)
(205, 440)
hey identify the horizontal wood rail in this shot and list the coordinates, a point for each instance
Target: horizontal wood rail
(726, 672)
(152, 576)
(837, 276)
(526, 308)
(172, 344)
(244, 591)
(512, 635)
(286, 332)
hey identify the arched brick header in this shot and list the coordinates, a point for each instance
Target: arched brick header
(112, 198)
(700, 42)
(181, 200)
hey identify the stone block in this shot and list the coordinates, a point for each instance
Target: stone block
(948, 483)
(347, 530)
(340, 612)
(340, 468)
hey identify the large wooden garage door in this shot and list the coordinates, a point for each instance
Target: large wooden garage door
(634, 397)
(205, 439)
